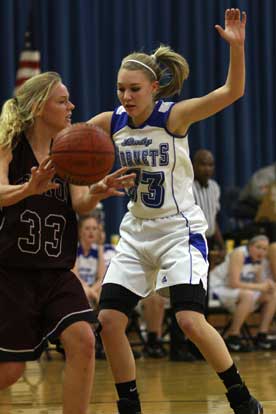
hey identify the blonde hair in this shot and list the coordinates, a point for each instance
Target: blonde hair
(18, 113)
(170, 68)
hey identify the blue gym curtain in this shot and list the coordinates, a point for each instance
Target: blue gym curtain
(85, 40)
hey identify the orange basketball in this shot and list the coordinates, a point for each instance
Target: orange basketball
(82, 153)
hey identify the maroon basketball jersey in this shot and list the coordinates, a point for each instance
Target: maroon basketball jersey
(40, 231)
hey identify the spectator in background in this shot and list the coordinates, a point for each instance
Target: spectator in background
(240, 287)
(93, 257)
(253, 193)
(90, 265)
(207, 196)
(259, 183)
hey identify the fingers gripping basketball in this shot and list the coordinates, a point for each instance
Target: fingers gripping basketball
(82, 154)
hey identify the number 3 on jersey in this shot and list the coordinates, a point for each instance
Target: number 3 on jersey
(33, 242)
(154, 197)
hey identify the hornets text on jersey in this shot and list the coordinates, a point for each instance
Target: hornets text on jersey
(161, 161)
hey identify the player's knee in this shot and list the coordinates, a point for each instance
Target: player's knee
(190, 326)
(86, 346)
(10, 372)
(79, 342)
(112, 321)
(273, 296)
(246, 295)
(270, 298)
(187, 326)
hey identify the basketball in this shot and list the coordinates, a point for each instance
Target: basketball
(82, 154)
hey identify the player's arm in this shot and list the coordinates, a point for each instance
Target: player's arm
(186, 112)
(103, 121)
(85, 199)
(9, 194)
(272, 259)
(235, 268)
(101, 267)
(264, 285)
(39, 182)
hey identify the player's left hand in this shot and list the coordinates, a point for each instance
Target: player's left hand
(234, 32)
(112, 183)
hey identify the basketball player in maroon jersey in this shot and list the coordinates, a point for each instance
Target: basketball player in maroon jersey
(41, 300)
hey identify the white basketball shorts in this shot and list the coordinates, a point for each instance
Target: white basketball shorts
(153, 255)
(229, 297)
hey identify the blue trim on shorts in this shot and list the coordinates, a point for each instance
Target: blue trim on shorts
(191, 262)
(197, 240)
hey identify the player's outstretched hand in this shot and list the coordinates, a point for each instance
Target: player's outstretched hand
(234, 32)
(112, 183)
(41, 178)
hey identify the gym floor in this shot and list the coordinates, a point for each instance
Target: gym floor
(165, 387)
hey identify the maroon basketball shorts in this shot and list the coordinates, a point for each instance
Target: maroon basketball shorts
(35, 307)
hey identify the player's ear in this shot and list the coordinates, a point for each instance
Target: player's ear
(155, 87)
(37, 108)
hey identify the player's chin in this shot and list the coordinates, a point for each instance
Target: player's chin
(130, 110)
(64, 125)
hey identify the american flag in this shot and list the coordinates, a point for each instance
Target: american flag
(29, 61)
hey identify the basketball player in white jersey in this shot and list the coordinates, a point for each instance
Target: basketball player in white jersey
(163, 245)
(239, 285)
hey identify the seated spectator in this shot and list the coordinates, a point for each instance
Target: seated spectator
(259, 183)
(93, 258)
(91, 264)
(238, 284)
(253, 193)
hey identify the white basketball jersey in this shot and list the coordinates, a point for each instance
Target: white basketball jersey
(164, 172)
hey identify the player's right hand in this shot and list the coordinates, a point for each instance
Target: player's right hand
(41, 178)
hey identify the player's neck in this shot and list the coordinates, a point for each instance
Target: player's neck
(39, 142)
(139, 120)
(85, 247)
